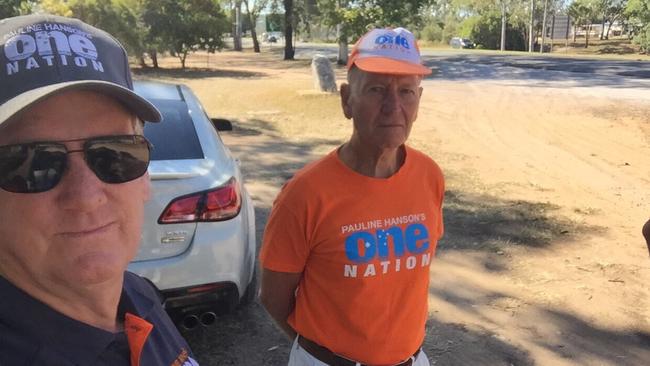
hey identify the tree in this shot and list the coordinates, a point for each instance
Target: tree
(611, 10)
(254, 13)
(289, 51)
(584, 12)
(120, 18)
(236, 25)
(487, 33)
(639, 13)
(181, 27)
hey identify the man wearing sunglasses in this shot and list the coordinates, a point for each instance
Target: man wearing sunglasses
(73, 182)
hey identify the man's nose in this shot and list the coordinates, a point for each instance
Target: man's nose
(80, 188)
(391, 101)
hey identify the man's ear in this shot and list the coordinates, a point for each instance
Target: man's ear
(345, 100)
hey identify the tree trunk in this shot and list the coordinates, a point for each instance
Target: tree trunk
(602, 28)
(609, 27)
(342, 58)
(237, 29)
(587, 35)
(142, 62)
(289, 51)
(504, 21)
(183, 57)
(541, 46)
(531, 28)
(575, 29)
(154, 58)
(253, 21)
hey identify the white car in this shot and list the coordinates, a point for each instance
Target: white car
(198, 240)
(458, 42)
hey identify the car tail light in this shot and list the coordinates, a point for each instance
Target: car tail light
(218, 204)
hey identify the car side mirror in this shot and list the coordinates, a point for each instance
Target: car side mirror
(221, 124)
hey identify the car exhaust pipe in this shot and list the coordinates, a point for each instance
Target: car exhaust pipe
(208, 318)
(190, 322)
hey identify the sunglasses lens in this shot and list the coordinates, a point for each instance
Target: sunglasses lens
(118, 159)
(31, 168)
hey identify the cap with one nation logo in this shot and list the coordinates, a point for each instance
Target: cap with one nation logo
(388, 51)
(43, 54)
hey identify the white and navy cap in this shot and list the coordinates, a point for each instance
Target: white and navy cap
(44, 54)
(388, 51)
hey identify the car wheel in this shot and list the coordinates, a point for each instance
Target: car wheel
(250, 294)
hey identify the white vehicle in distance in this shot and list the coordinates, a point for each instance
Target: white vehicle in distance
(198, 239)
(458, 42)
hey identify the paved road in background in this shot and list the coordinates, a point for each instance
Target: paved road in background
(601, 67)
(621, 79)
(605, 67)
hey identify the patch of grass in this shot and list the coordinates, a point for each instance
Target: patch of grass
(615, 47)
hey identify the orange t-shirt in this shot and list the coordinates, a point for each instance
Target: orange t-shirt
(364, 246)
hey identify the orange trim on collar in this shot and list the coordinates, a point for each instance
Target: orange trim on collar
(137, 330)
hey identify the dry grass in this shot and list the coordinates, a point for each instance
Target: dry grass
(280, 98)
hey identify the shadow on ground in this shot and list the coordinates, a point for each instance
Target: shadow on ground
(484, 222)
(203, 64)
(562, 334)
(194, 73)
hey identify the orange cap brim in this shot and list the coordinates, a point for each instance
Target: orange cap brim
(382, 65)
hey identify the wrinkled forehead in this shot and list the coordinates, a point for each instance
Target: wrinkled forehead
(360, 79)
(356, 75)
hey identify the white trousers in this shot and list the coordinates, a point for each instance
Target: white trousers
(300, 357)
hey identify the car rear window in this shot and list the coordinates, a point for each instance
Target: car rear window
(174, 138)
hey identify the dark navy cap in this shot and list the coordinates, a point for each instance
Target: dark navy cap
(44, 54)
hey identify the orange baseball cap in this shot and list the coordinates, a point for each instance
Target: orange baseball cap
(388, 51)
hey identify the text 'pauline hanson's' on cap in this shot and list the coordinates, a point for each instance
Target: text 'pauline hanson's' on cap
(44, 54)
(388, 51)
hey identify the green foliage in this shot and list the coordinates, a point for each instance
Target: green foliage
(486, 32)
(432, 33)
(142, 26)
(467, 26)
(480, 20)
(120, 18)
(638, 12)
(358, 16)
(181, 27)
(643, 39)
(58, 7)
(584, 11)
(450, 31)
(10, 8)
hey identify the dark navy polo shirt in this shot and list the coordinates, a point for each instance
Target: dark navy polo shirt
(33, 334)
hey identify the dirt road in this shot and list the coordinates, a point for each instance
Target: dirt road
(542, 262)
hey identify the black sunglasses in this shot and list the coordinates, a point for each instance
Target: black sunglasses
(38, 166)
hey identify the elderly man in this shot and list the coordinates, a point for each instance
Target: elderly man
(349, 242)
(73, 182)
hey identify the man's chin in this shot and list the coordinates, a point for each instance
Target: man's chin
(97, 269)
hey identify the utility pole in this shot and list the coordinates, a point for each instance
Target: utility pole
(531, 29)
(541, 46)
(503, 25)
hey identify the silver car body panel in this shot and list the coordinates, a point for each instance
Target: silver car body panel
(182, 255)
